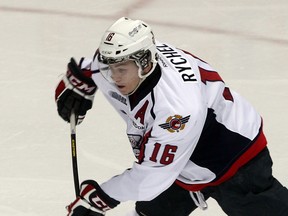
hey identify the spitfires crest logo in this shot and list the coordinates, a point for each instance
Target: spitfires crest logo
(175, 123)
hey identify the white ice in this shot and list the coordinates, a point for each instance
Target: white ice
(246, 41)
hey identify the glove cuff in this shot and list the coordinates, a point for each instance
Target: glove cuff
(78, 73)
(93, 193)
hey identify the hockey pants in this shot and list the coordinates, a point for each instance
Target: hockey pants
(252, 191)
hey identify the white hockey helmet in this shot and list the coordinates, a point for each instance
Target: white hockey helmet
(129, 39)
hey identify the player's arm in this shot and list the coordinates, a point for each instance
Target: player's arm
(161, 164)
(75, 92)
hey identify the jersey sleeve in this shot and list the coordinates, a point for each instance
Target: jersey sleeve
(162, 160)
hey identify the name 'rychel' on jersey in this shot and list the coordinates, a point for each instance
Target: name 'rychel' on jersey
(179, 112)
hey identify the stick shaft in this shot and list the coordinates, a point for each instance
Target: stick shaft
(74, 153)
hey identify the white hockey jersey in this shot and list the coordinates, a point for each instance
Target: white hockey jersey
(184, 125)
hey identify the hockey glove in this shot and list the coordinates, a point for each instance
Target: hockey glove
(93, 201)
(75, 92)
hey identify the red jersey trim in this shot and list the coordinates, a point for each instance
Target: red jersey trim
(259, 144)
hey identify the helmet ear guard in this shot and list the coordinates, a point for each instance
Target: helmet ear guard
(143, 57)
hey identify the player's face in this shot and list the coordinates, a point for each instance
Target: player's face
(125, 76)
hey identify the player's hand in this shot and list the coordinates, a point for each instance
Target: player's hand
(76, 92)
(93, 201)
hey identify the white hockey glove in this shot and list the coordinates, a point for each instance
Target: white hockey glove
(93, 201)
(75, 92)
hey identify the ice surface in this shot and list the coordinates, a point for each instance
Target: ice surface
(246, 41)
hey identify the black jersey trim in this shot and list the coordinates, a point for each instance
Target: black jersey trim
(145, 88)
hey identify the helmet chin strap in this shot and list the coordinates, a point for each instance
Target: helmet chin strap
(141, 75)
(142, 78)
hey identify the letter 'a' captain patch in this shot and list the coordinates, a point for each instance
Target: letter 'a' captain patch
(175, 123)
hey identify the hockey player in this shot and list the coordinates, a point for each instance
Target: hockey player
(193, 137)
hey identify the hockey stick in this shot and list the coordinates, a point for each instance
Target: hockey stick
(74, 153)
